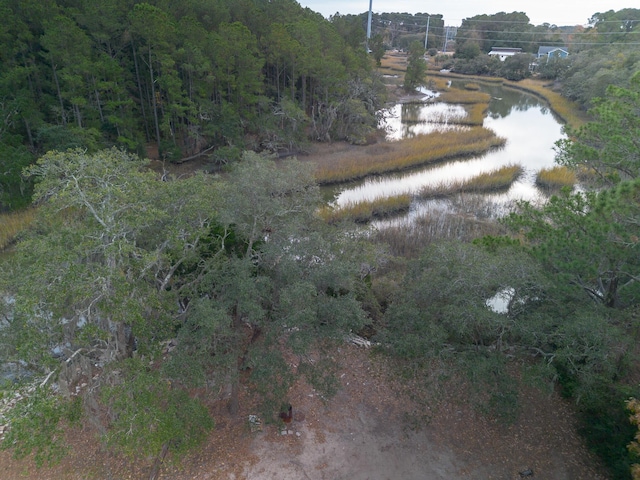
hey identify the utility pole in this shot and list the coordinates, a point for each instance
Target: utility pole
(369, 25)
(426, 35)
(446, 38)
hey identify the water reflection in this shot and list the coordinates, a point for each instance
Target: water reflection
(407, 120)
(527, 124)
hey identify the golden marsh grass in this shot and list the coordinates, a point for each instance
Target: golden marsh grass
(457, 95)
(367, 210)
(11, 224)
(412, 152)
(567, 110)
(393, 63)
(555, 178)
(495, 180)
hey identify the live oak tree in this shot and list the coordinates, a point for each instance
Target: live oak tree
(93, 281)
(276, 282)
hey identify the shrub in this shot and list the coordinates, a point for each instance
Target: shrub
(148, 412)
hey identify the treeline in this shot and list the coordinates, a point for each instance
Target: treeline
(214, 76)
(514, 30)
(605, 53)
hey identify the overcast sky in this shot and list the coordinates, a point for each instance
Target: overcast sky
(558, 12)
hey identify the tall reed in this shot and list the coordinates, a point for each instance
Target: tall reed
(495, 180)
(367, 210)
(457, 95)
(555, 178)
(394, 156)
(11, 224)
(409, 240)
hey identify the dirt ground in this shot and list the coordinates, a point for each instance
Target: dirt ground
(368, 431)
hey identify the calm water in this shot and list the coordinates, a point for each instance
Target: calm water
(528, 125)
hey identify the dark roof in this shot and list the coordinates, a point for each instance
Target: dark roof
(547, 50)
(505, 49)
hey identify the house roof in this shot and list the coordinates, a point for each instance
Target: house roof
(548, 50)
(506, 50)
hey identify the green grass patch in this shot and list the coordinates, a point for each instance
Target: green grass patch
(367, 210)
(493, 181)
(555, 178)
(395, 156)
(11, 224)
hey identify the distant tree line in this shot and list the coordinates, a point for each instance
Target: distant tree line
(605, 53)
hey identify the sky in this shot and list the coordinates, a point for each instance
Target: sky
(558, 12)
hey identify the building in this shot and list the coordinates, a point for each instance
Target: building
(503, 52)
(552, 52)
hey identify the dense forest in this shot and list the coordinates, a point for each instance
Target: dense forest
(130, 289)
(196, 77)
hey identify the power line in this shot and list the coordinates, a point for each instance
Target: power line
(488, 20)
(591, 33)
(533, 41)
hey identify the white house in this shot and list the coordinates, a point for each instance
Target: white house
(503, 52)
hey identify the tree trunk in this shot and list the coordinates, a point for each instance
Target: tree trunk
(140, 92)
(154, 100)
(234, 401)
(55, 77)
(98, 102)
(29, 134)
(155, 470)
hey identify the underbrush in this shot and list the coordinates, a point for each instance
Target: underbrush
(473, 220)
(604, 423)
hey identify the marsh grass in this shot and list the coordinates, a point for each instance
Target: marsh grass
(567, 110)
(11, 224)
(476, 78)
(391, 63)
(457, 95)
(367, 210)
(493, 181)
(474, 220)
(412, 152)
(553, 179)
(439, 84)
(475, 114)
(472, 86)
(475, 102)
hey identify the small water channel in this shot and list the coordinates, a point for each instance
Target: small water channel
(528, 125)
